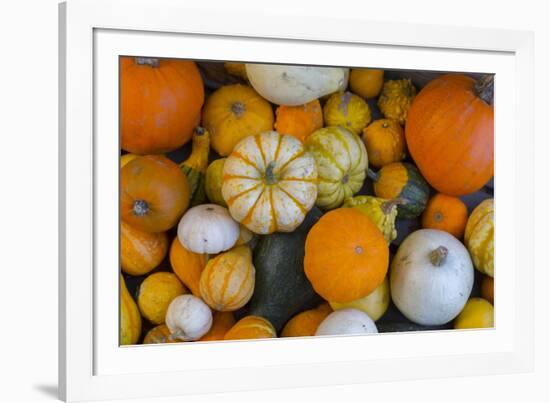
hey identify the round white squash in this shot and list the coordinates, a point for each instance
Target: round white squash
(431, 277)
(346, 321)
(188, 318)
(295, 85)
(208, 228)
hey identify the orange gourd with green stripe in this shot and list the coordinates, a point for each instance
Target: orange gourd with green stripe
(269, 183)
(227, 282)
(479, 237)
(251, 327)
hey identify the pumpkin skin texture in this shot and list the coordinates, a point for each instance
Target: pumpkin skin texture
(188, 318)
(366, 83)
(158, 335)
(208, 228)
(488, 289)
(396, 99)
(160, 103)
(269, 183)
(346, 321)
(130, 320)
(213, 186)
(342, 162)
(346, 256)
(195, 166)
(299, 121)
(401, 181)
(385, 142)
(227, 282)
(234, 112)
(126, 158)
(187, 265)
(154, 193)
(347, 110)
(450, 135)
(431, 277)
(446, 213)
(479, 237)
(222, 322)
(381, 212)
(307, 322)
(375, 304)
(477, 313)
(155, 294)
(140, 251)
(295, 85)
(251, 327)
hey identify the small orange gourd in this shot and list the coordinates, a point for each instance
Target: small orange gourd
(446, 213)
(366, 83)
(251, 327)
(307, 322)
(385, 142)
(221, 323)
(140, 251)
(187, 265)
(299, 121)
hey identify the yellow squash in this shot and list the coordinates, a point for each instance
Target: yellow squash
(130, 320)
(477, 313)
(155, 294)
(213, 185)
(347, 110)
(381, 212)
(396, 99)
(479, 237)
(375, 304)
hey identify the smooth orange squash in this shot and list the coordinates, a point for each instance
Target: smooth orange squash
(299, 121)
(446, 213)
(187, 265)
(385, 142)
(140, 251)
(221, 323)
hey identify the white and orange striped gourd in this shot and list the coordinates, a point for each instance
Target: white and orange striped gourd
(227, 281)
(479, 237)
(269, 182)
(251, 327)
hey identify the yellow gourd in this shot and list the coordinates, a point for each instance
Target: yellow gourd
(347, 110)
(396, 99)
(381, 212)
(213, 185)
(366, 83)
(479, 237)
(195, 166)
(375, 304)
(477, 313)
(155, 294)
(130, 320)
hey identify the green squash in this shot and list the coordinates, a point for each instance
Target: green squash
(195, 166)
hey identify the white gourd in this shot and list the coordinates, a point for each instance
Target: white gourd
(188, 318)
(346, 321)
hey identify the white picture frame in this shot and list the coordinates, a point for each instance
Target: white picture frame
(94, 33)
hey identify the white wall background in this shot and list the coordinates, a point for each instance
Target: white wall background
(28, 200)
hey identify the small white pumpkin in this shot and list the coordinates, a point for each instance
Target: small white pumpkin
(431, 277)
(295, 85)
(188, 318)
(346, 321)
(208, 228)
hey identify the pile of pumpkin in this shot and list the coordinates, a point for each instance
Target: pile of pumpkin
(274, 224)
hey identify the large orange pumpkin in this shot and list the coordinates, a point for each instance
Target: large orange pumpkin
(154, 193)
(187, 265)
(160, 103)
(450, 134)
(346, 255)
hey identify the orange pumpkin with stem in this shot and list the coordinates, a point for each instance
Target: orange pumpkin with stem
(160, 103)
(450, 133)
(154, 193)
(187, 265)
(251, 327)
(346, 255)
(221, 323)
(299, 121)
(446, 213)
(385, 142)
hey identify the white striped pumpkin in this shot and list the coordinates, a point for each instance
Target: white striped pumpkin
(227, 281)
(251, 327)
(342, 162)
(479, 237)
(269, 182)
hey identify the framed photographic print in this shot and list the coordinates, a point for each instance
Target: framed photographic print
(247, 209)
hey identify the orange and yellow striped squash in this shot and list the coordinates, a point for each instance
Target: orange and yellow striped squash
(140, 251)
(227, 282)
(251, 327)
(479, 237)
(187, 265)
(270, 183)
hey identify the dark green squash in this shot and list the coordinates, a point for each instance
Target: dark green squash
(403, 182)
(282, 289)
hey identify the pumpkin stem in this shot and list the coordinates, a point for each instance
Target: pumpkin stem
(270, 177)
(149, 61)
(238, 109)
(375, 177)
(438, 255)
(485, 88)
(140, 208)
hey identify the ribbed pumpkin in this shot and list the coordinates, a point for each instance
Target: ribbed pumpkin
(450, 133)
(187, 265)
(401, 181)
(130, 320)
(227, 282)
(381, 212)
(342, 163)
(140, 251)
(251, 327)
(155, 294)
(234, 112)
(158, 335)
(213, 185)
(366, 83)
(479, 237)
(347, 110)
(477, 314)
(375, 304)
(299, 121)
(488, 289)
(446, 213)
(346, 255)
(221, 323)
(396, 99)
(385, 142)
(269, 183)
(160, 103)
(307, 322)
(195, 166)
(154, 193)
